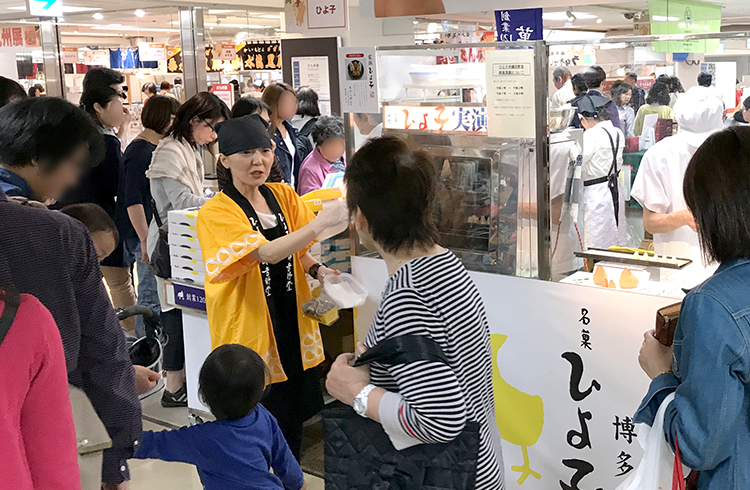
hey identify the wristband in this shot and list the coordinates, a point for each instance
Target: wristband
(314, 270)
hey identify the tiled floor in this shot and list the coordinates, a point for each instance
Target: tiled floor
(159, 475)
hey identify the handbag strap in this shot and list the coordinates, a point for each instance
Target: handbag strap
(678, 477)
(156, 213)
(11, 301)
(403, 349)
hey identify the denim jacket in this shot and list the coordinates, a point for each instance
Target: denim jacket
(710, 415)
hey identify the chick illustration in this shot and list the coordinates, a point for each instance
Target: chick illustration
(519, 416)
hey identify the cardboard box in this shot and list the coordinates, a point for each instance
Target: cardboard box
(177, 251)
(181, 229)
(184, 240)
(188, 264)
(183, 217)
(190, 277)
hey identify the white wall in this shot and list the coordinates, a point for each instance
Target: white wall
(8, 67)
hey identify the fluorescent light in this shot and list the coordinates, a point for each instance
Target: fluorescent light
(98, 16)
(561, 16)
(599, 20)
(664, 18)
(131, 28)
(114, 25)
(66, 9)
(97, 34)
(238, 26)
(270, 16)
(139, 13)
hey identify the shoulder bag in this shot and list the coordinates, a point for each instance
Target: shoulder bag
(359, 454)
(160, 263)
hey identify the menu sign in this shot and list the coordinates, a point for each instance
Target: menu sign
(359, 80)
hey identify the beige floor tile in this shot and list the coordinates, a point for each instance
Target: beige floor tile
(151, 474)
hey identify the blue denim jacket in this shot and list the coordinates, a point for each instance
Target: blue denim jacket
(711, 379)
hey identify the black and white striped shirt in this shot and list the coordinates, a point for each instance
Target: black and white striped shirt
(434, 296)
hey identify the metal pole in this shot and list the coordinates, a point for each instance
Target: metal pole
(52, 55)
(541, 78)
(193, 50)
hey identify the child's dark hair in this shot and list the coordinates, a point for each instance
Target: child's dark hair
(94, 218)
(232, 381)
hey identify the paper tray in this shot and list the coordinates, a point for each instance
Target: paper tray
(600, 255)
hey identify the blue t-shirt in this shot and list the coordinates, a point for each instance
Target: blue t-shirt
(230, 454)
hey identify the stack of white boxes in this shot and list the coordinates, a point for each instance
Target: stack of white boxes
(185, 251)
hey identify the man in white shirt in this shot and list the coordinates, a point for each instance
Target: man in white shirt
(658, 184)
(561, 78)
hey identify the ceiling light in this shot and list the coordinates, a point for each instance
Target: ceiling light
(415, 22)
(66, 9)
(270, 16)
(98, 16)
(571, 17)
(132, 28)
(139, 13)
(238, 26)
(563, 15)
(599, 20)
(664, 18)
(97, 34)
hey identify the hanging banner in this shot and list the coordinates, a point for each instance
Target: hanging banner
(312, 72)
(261, 56)
(225, 51)
(174, 59)
(684, 17)
(565, 377)
(69, 55)
(359, 80)
(97, 57)
(26, 36)
(152, 52)
(510, 93)
(305, 15)
(519, 25)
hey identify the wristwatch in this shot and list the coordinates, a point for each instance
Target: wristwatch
(314, 270)
(360, 402)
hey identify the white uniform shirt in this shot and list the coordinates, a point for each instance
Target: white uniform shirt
(597, 150)
(563, 95)
(658, 188)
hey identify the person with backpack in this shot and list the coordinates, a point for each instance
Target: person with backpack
(308, 112)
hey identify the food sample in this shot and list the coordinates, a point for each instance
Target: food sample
(628, 280)
(612, 285)
(600, 277)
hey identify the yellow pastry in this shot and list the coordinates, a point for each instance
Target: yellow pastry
(628, 280)
(612, 285)
(600, 277)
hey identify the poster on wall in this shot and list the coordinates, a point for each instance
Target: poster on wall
(26, 36)
(96, 57)
(174, 59)
(565, 377)
(510, 93)
(312, 72)
(69, 55)
(152, 52)
(308, 15)
(260, 56)
(359, 80)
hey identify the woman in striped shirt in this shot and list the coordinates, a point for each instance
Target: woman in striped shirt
(391, 195)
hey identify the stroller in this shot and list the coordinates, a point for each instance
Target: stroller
(146, 351)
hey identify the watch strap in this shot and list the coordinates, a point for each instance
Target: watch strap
(362, 398)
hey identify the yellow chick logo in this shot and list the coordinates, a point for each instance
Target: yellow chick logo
(519, 416)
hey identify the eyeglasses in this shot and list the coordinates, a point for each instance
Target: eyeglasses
(212, 126)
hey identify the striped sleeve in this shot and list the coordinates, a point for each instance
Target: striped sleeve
(432, 408)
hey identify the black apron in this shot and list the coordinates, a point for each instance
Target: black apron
(300, 397)
(611, 178)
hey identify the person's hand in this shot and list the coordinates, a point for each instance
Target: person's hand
(344, 382)
(324, 271)
(116, 486)
(333, 213)
(145, 379)
(686, 218)
(128, 115)
(144, 253)
(654, 358)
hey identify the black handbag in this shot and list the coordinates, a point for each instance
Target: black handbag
(359, 454)
(160, 262)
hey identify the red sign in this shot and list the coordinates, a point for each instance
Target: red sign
(224, 91)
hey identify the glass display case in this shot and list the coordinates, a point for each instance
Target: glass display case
(488, 188)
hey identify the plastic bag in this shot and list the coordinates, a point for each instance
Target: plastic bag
(657, 466)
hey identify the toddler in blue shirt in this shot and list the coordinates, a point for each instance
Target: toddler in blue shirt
(238, 451)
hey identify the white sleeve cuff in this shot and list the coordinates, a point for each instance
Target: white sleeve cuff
(389, 419)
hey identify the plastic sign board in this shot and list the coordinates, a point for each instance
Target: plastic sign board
(46, 8)
(305, 15)
(189, 297)
(519, 25)
(152, 52)
(224, 91)
(441, 119)
(670, 17)
(96, 57)
(358, 80)
(69, 55)
(225, 51)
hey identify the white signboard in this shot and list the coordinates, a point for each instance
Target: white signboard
(224, 91)
(46, 8)
(96, 57)
(306, 15)
(359, 80)
(510, 93)
(312, 71)
(565, 375)
(225, 51)
(152, 52)
(69, 55)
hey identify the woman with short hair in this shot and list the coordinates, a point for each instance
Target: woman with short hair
(391, 197)
(327, 157)
(621, 94)
(708, 367)
(657, 102)
(308, 111)
(148, 90)
(135, 196)
(176, 182)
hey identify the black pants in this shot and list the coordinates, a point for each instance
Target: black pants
(174, 351)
